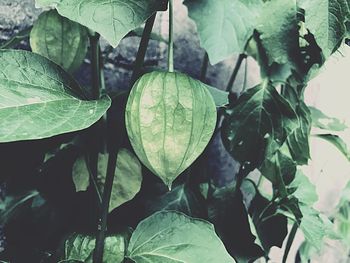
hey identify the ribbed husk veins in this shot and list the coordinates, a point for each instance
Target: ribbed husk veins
(170, 119)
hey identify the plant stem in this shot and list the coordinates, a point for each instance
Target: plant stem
(171, 38)
(235, 71)
(96, 79)
(204, 67)
(102, 221)
(95, 65)
(112, 158)
(245, 76)
(290, 242)
(259, 181)
(140, 57)
(239, 177)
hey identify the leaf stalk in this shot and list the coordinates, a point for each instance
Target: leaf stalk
(171, 37)
(290, 242)
(233, 77)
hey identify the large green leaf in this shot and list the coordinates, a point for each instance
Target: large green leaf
(325, 20)
(172, 237)
(38, 99)
(278, 27)
(322, 121)
(81, 247)
(112, 19)
(224, 26)
(59, 39)
(170, 119)
(127, 180)
(259, 123)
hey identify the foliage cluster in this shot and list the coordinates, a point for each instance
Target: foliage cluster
(97, 177)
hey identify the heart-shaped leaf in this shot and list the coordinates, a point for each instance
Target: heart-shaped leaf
(224, 26)
(174, 237)
(112, 19)
(331, 14)
(38, 99)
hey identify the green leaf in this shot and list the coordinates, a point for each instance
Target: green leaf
(331, 15)
(322, 121)
(127, 180)
(227, 212)
(112, 19)
(280, 169)
(171, 237)
(224, 26)
(80, 174)
(305, 190)
(59, 39)
(180, 199)
(337, 142)
(38, 99)
(81, 247)
(220, 97)
(278, 30)
(170, 119)
(257, 125)
(298, 140)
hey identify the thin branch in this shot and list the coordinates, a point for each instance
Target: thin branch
(204, 67)
(102, 222)
(140, 57)
(290, 242)
(235, 72)
(171, 38)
